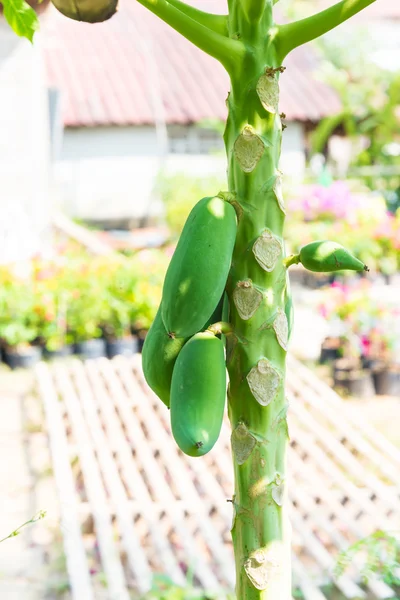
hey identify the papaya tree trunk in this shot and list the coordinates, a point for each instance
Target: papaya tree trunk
(260, 312)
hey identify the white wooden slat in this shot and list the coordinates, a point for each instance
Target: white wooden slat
(306, 443)
(132, 420)
(184, 483)
(151, 466)
(199, 467)
(359, 423)
(116, 586)
(136, 559)
(133, 479)
(343, 428)
(354, 467)
(332, 506)
(180, 474)
(308, 587)
(77, 563)
(323, 557)
(322, 523)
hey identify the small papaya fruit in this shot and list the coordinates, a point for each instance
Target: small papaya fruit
(159, 354)
(198, 392)
(199, 268)
(327, 257)
(88, 11)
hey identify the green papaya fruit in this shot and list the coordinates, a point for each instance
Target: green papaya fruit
(198, 392)
(327, 257)
(159, 354)
(88, 11)
(198, 271)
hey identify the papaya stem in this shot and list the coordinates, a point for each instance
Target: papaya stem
(294, 259)
(221, 327)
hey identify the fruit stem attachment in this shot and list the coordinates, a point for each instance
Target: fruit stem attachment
(293, 259)
(221, 327)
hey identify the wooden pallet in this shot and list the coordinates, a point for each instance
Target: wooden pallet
(155, 510)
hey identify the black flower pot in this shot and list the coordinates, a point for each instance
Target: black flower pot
(60, 353)
(140, 335)
(329, 350)
(386, 382)
(345, 365)
(124, 347)
(370, 363)
(356, 383)
(91, 349)
(22, 359)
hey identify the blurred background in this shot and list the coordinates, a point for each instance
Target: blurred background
(109, 135)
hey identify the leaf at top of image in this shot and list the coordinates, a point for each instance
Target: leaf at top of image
(21, 18)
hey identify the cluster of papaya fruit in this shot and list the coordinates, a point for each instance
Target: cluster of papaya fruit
(183, 358)
(183, 361)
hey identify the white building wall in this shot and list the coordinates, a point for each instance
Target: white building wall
(110, 173)
(24, 148)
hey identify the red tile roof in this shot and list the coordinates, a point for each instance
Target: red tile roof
(106, 73)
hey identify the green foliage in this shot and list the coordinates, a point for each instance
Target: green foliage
(19, 323)
(369, 95)
(369, 327)
(181, 192)
(76, 297)
(21, 18)
(380, 553)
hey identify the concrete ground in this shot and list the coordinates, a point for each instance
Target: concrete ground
(31, 563)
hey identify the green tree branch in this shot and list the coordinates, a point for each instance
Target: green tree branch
(217, 23)
(224, 49)
(292, 35)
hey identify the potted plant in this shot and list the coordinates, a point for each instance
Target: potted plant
(383, 351)
(18, 326)
(86, 312)
(369, 337)
(50, 308)
(345, 307)
(117, 330)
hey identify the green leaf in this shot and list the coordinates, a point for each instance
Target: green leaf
(21, 18)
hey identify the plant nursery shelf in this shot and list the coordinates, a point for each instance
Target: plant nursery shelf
(132, 504)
